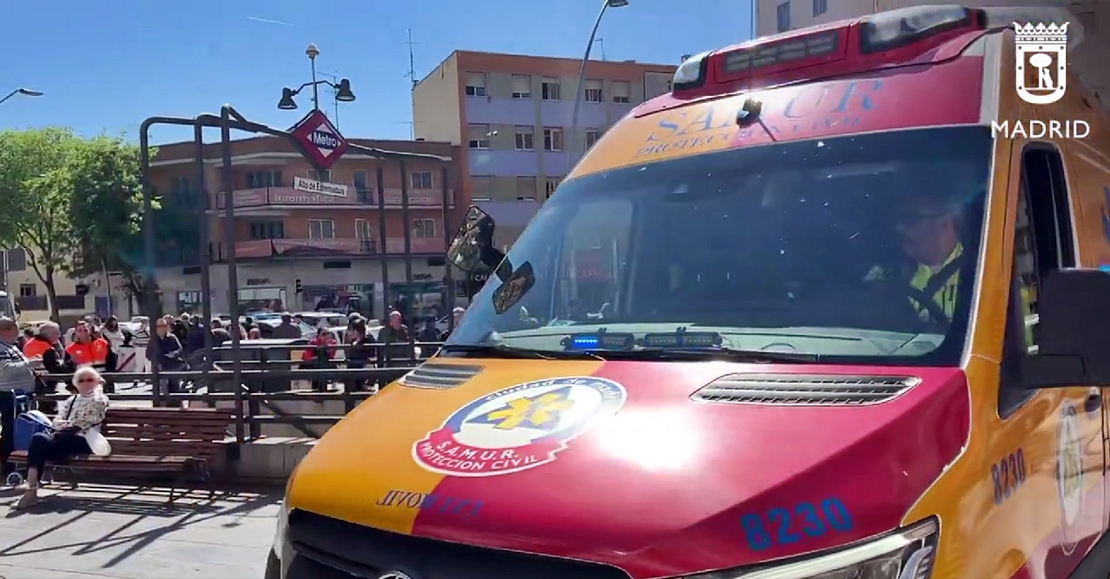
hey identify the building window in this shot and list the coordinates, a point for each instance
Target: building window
(593, 91)
(592, 135)
(552, 139)
(258, 179)
(28, 290)
(359, 181)
(622, 91)
(550, 86)
(522, 86)
(321, 229)
(552, 185)
(476, 84)
(180, 186)
(362, 187)
(362, 229)
(16, 259)
(322, 176)
(525, 138)
(481, 188)
(820, 7)
(782, 16)
(267, 230)
(421, 180)
(479, 136)
(526, 188)
(423, 227)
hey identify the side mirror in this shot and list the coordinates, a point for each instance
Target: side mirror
(1073, 334)
(17, 309)
(473, 242)
(513, 289)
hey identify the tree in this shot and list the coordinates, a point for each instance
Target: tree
(106, 203)
(70, 199)
(24, 157)
(33, 193)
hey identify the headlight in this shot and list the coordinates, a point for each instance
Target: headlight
(904, 554)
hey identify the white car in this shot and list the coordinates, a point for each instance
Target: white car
(328, 319)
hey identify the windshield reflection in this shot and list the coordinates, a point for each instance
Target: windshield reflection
(859, 247)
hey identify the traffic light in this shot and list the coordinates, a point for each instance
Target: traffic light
(298, 282)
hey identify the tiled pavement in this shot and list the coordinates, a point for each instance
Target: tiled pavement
(101, 532)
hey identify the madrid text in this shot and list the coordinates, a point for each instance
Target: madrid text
(1040, 129)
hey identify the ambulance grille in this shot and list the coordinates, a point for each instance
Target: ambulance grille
(804, 389)
(439, 376)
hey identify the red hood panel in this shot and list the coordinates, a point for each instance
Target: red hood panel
(670, 486)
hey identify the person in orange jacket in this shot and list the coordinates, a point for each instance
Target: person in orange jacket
(46, 347)
(87, 349)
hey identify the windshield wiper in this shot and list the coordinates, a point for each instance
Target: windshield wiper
(705, 354)
(501, 351)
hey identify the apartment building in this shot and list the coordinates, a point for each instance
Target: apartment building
(77, 297)
(775, 16)
(299, 244)
(512, 115)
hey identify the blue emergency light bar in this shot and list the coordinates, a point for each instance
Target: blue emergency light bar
(600, 341)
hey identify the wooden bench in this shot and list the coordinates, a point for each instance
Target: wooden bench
(178, 441)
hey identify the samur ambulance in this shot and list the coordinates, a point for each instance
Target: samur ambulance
(720, 350)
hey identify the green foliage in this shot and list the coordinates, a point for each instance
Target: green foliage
(74, 204)
(105, 201)
(25, 157)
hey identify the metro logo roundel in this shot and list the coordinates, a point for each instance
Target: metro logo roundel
(319, 140)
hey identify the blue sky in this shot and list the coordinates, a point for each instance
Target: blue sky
(105, 66)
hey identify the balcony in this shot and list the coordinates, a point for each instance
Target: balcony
(341, 247)
(341, 196)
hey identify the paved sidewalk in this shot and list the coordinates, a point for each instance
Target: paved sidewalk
(101, 532)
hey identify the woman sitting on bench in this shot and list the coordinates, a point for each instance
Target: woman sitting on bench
(78, 418)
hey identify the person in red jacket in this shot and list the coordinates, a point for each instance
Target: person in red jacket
(321, 350)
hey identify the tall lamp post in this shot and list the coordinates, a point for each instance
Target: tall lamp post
(605, 5)
(342, 88)
(23, 92)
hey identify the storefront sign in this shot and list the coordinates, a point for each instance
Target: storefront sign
(258, 280)
(421, 276)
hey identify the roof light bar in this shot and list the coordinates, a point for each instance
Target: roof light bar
(782, 52)
(692, 72)
(897, 28)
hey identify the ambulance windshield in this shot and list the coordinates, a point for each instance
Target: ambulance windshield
(860, 247)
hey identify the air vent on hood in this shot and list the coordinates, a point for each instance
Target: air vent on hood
(439, 376)
(805, 389)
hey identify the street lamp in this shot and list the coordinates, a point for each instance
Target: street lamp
(22, 91)
(343, 92)
(605, 5)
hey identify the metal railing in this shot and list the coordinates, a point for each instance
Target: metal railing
(258, 379)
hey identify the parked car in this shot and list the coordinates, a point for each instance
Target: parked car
(329, 319)
(267, 326)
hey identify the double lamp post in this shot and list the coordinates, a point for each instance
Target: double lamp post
(343, 92)
(22, 92)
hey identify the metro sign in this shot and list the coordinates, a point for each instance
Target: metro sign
(319, 140)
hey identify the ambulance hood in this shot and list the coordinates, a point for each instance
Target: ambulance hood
(658, 468)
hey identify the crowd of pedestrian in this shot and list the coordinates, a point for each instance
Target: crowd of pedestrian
(25, 358)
